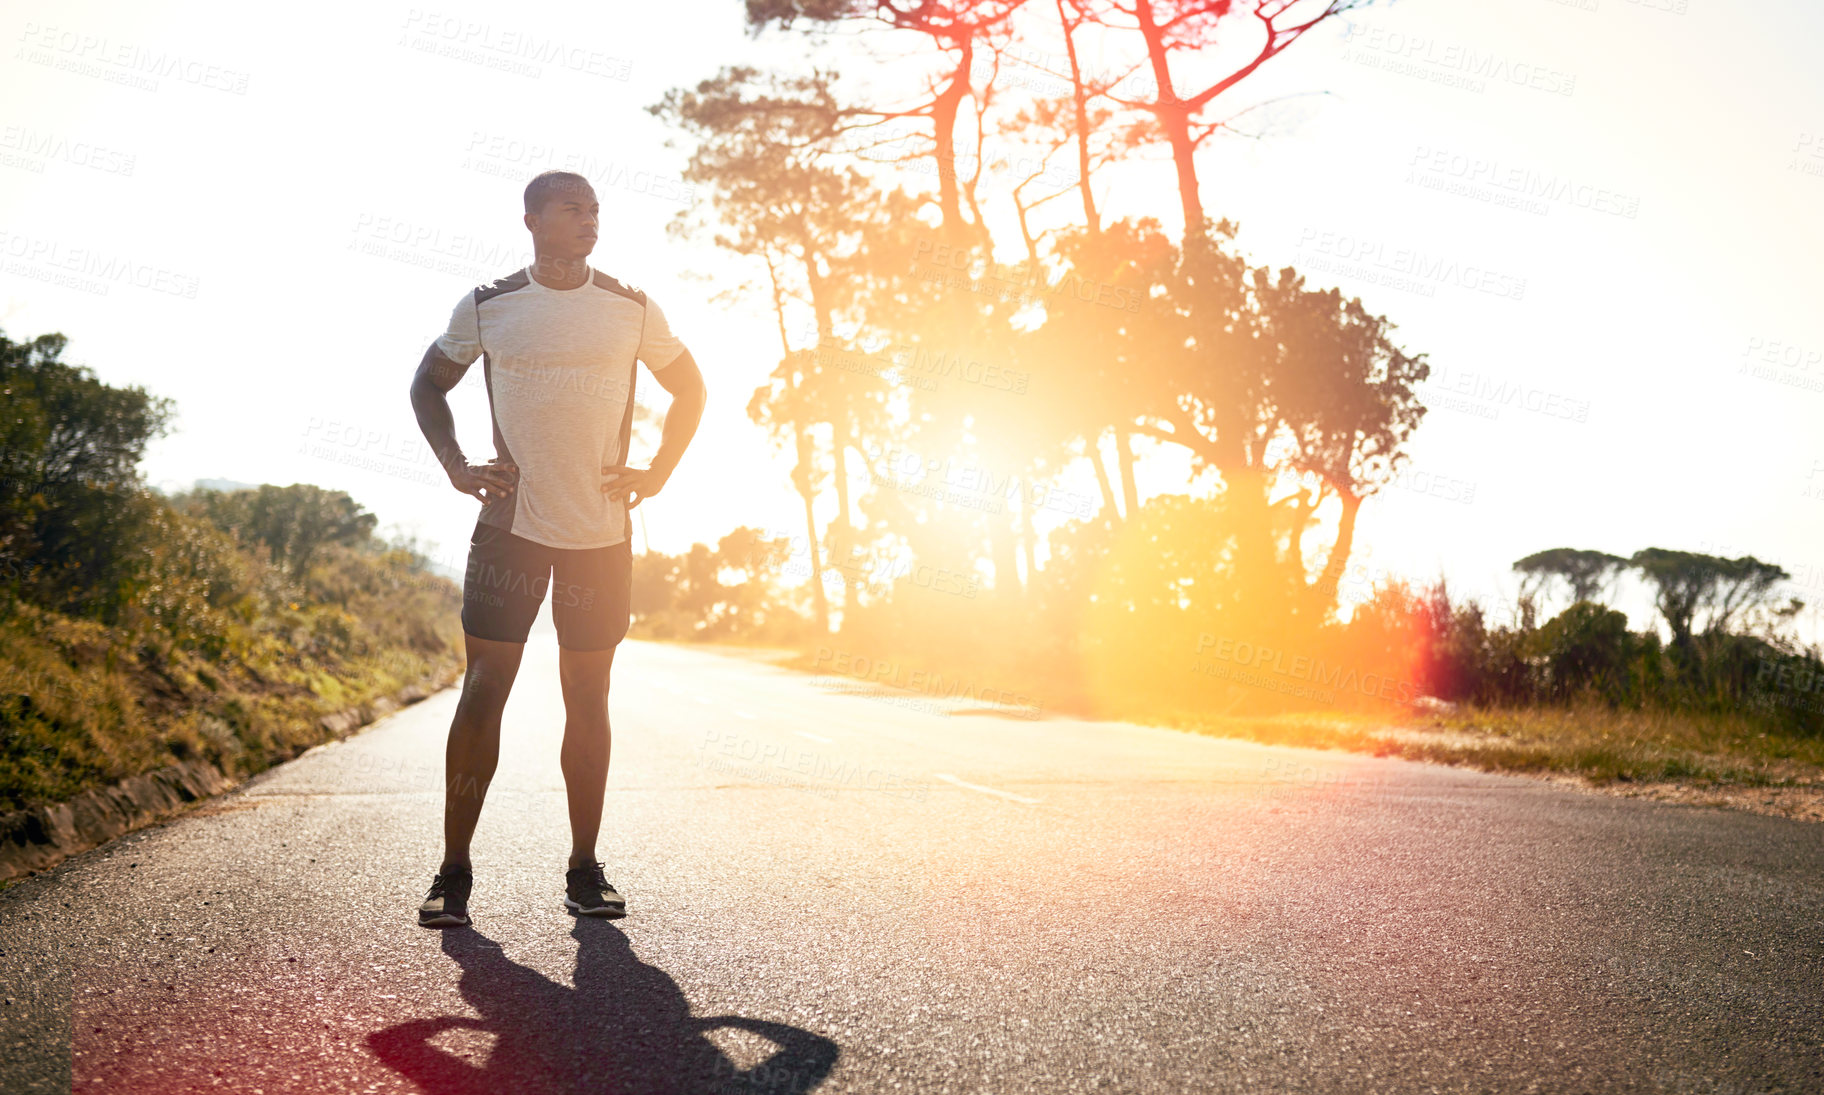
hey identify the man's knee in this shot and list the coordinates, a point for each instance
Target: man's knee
(480, 686)
(585, 672)
(485, 688)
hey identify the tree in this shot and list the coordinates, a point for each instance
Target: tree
(810, 226)
(957, 28)
(1586, 574)
(1299, 399)
(1706, 595)
(1294, 396)
(1587, 649)
(687, 597)
(292, 522)
(1344, 400)
(778, 407)
(1189, 28)
(71, 497)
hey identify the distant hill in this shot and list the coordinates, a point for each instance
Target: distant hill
(169, 487)
(224, 485)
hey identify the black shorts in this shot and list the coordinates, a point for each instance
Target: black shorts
(506, 581)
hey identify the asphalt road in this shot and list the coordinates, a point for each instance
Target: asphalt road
(834, 889)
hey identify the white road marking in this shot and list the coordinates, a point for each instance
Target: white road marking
(948, 778)
(747, 714)
(815, 737)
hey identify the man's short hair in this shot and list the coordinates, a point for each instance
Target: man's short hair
(548, 184)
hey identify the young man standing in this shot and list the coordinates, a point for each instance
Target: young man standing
(558, 342)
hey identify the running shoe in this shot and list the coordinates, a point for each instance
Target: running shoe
(588, 893)
(447, 905)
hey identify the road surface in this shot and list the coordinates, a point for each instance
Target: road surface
(837, 889)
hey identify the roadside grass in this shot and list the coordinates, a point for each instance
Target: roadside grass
(83, 704)
(1616, 749)
(1598, 745)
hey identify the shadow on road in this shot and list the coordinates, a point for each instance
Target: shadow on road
(625, 1027)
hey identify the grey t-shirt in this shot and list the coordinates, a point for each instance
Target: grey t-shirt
(559, 366)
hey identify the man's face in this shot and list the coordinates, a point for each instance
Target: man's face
(566, 227)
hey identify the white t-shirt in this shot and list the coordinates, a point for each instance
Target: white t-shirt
(559, 365)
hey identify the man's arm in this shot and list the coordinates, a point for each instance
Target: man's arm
(684, 381)
(436, 375)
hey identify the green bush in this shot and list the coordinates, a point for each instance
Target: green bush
(137, 630)
(1587, 652)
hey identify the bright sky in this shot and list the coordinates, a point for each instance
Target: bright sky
(1628, 350)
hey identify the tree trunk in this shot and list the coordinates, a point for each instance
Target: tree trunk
(1031, 241)
(1080, 98)
(943, 119)
(1108, 491)
(840, 442)
(1259, 574)
(1323, 592)
(803, 472)
(843, 529)
(1124, 453)
(1027, 536)
(801, 478)
(1001, 547)
(1175, 122)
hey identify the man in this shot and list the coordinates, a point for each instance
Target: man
(558, 342)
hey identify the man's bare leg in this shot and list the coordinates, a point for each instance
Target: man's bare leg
(586, 745)
(474, 745)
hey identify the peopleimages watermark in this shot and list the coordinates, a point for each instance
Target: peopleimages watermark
(1814, 480)
(354, 445)
(486, 583)
(1807, 156)
(1511, 186)
(910, 150)
(1403, 268)
(866, 363)
(1362, 579)
(505, 49)
(461, 254)
(1445, 488)
(969, 485)
(878, 567)
(505, 156)
(1806, 574)
(959, 267)
(1782, 362)
(88, 269)
(36, 684)
(30, 149)
(1307, 677)
(874, 567)
(1485, 395)
(766, 1076)
(1664, 7)
(1450, 64)
(1432, 484)
(1047, 74)
(963, 366)
(921, 367)
(882, 671)
(412, 774)
(1789, 682)
(123, 63)
(1285, 770)
(779, 764)
(546, 377)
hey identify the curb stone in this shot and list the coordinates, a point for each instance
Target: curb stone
(41, 837)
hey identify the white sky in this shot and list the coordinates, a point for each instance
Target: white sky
(248, 186)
